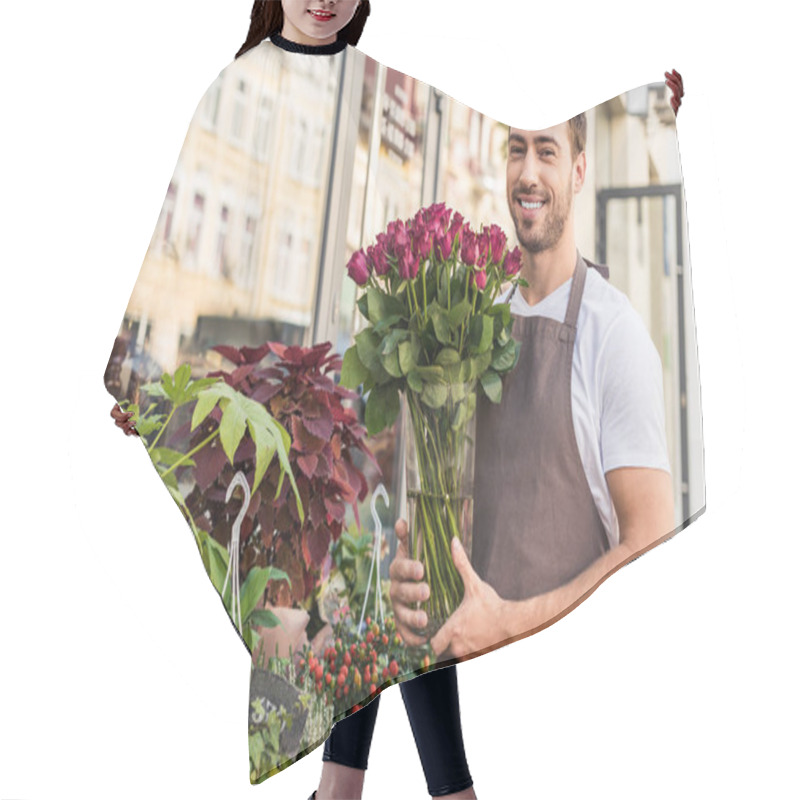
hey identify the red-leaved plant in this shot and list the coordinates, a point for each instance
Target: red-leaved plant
(299, 392)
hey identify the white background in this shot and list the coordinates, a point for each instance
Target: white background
(120, 673)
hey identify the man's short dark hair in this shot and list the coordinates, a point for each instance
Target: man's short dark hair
(577, 130)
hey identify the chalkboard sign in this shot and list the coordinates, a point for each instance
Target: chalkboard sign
(274, 692)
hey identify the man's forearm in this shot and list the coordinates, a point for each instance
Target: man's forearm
(523, 616)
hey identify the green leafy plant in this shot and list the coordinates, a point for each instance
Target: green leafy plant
(220, 418)
(295, 384)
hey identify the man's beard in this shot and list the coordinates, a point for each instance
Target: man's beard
(549, 234)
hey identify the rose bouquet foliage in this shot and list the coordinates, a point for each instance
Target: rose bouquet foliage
(435, 336)
(431, 284)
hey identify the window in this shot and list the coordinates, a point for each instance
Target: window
(248, 250)
(239, 106)
(297, 163)
(221, 262)
(211, 105)
(167, 215)
(194, 229)
(262, 128)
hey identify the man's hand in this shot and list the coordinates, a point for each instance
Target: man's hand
(478, 622)
(674, 81)
(406, 588)
(122, 419)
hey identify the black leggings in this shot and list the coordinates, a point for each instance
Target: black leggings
(432, 706)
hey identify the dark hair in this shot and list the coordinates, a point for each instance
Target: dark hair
(266, 19)
(577, 129)
(577, 134)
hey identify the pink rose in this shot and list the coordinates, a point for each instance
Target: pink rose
(512, 262)
(358, 267)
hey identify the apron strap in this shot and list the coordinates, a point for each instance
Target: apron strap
(575, 295)
(570, 326)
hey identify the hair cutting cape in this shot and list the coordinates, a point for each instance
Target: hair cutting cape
(320, 342)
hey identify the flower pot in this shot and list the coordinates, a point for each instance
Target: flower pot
(440, 461)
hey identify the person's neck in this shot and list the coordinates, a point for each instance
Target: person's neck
(547, 270)
(295, 41)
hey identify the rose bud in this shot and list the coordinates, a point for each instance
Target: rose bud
(358, 267)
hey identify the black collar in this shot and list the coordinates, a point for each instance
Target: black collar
(311, 49)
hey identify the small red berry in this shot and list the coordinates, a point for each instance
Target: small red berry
(347, 659)
(346, 690)
(318, 672)
(372, 688)
(385, 639)
(393, 668)
(328, 678)
(385, 673)
(340, 680)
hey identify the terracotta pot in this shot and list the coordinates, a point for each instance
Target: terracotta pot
(292, 633)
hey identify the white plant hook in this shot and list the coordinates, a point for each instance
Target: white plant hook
(376, 557)
(233, 548)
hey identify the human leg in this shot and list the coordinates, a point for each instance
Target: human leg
(346, 754)
(433, 710)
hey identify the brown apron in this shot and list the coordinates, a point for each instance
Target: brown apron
(536, 525)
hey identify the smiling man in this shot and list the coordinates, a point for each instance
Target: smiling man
(572, 475)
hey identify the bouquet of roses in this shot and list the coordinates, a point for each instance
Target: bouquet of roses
(435, 336)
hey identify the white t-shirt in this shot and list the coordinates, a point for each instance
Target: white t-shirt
(617, 385)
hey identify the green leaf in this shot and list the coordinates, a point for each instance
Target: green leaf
(167, 456)
(432, 373)
(362, 304)
(415, 382)
(391, 364)
(504, 358)
(232, 427)
(383, 406)
(390, 342)
(405, 355)
(354, 372)
(434, 395)
(264, 618)
(492, 385)
(481, 331)
(387, 323)
(367, 346)
(441, 323)
(447, 357)
(458, 313)
(206, 402)
(381, 305)
(255, 585)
